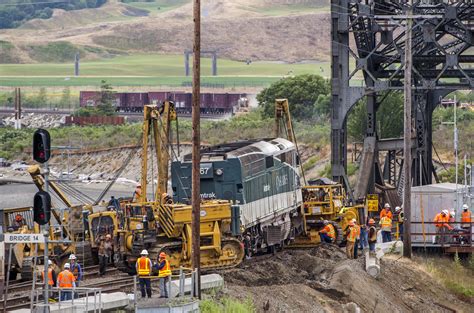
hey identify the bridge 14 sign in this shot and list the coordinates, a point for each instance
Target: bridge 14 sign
(24, 238)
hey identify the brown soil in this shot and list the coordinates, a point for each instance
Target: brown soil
(323, 280)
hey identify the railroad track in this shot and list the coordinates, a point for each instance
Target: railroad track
(21, 298)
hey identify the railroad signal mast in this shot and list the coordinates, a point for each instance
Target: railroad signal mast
(42, 199)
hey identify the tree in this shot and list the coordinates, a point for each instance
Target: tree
(302, 92)
(65, 98)
(105, 105)
(389, 118)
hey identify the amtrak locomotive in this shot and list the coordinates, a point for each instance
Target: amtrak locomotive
(259, 176)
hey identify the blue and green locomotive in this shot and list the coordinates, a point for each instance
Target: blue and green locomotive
(258, 176)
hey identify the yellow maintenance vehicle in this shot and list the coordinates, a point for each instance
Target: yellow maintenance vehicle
(158, 224)
(323, 199)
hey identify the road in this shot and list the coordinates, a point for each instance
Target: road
(21, 195)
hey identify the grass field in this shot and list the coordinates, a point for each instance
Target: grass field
(158, 6)
(152, 70)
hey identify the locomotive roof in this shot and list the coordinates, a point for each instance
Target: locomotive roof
(268, 146)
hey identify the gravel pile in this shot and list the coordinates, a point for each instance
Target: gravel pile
(35, 120)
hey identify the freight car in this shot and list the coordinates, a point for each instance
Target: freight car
(129, 102)
(259, 176)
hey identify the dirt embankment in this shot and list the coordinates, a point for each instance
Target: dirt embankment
(323, 280)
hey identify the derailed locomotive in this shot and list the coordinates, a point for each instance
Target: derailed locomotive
(258, 176)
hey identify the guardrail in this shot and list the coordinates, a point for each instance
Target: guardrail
(38, 296)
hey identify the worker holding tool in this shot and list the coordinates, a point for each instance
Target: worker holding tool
(351, 236)
(66, 280)
(144, 267)
(386, 228)
(442, 225)
(164, 274)
(466, 217)
(399, 218)
(328, 233)
(76, 269)
(386, 211)
(372, 235)
(105, 252)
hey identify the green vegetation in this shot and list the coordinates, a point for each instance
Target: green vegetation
(158, 65)
(13, 13)
(452, 274)
(105, 104)
(155, 6)
(281, 8)
(226, 305)
(306, 95)
(389, 118)
(43, 98)
(60, 51)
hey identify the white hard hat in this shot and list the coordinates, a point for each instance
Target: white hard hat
(465, 206)
(453, 214)
(72, 257)
(67, 265)
(144, 252)
(354, 220)
(398, 208)
(446, 212)
(50, 262)
(387, 205)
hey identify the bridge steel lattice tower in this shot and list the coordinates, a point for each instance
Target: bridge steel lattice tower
(368, 39)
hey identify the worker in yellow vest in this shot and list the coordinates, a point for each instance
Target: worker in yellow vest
(386, 228)
(164, 274)
(328, 233)
(351, 237)
(143, 268)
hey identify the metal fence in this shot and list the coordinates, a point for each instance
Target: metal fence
(181, 277)
(82, 299)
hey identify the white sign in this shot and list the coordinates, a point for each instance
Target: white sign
(24, 238)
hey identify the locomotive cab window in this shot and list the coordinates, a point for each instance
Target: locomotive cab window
(269, 162)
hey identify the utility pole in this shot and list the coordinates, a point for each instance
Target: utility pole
(456, 151)
(407, 136)
(196, 138)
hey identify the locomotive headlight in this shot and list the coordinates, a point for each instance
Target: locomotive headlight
(219, 172)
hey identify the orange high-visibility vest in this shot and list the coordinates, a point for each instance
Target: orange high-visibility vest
(466, 217)
(50, 276)
(65, 279)
(143, 266)
(166, 270)
(329, 229)
(352, 235)
(442, 221)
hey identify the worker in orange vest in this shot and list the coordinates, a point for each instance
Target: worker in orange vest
(66, 280)
(164, 274)
(442, 225)
(351, 237)
(386, 211)
(466, 217)
(386, 228)
(328, 233)
(144, 267)
(51, 274)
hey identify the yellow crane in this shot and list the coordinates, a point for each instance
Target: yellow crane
(324, 200)
(159, 224)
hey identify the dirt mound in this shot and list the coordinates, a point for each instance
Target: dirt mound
(323, 279)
